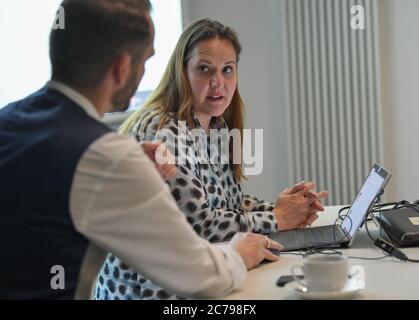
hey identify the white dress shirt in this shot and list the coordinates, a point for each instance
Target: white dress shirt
(144, 227)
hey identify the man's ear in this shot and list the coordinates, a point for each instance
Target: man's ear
(121, 69)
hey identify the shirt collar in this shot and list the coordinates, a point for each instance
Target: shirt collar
(215, 123)
(76, 97)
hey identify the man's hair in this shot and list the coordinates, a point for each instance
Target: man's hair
(95, 33)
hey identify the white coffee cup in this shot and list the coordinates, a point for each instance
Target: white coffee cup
(323, 273)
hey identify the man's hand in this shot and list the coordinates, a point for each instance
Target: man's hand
(298, 207)
(162, 158)
(253, 248)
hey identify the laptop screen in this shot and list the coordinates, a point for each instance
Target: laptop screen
(375, 182)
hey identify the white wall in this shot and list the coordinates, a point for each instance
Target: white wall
(399, 30)
(261, 75)
(260, 27)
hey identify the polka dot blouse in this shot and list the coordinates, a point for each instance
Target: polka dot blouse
(206, 192)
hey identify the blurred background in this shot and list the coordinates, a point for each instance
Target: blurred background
(332, 100)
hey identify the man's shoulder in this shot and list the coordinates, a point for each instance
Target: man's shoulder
(23, 101)
(113, 147)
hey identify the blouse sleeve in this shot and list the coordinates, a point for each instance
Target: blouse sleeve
(251, 203)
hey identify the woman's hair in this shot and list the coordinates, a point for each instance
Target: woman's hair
(173, 96)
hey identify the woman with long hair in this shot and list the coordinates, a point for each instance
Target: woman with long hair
(199, 95)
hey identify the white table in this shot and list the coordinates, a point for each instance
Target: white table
(385, 279)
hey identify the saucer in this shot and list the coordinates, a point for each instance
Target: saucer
(353, 286)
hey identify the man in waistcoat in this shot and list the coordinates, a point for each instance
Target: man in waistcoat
(71, 189)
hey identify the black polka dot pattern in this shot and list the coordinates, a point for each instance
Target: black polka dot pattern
(196, 193)
(176, 194)
(122, 289)
(111, 286)
(224, 225)
(191, 207)
(181, 182)
(203, 215)
(137, 290)
(211, 189)
(212, 201)
(116, 273)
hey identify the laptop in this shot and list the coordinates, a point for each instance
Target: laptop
(343, 234)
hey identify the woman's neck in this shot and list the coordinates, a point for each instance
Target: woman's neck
(204, 121)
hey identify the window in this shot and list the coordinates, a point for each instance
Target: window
(24, 30)
(167, 19)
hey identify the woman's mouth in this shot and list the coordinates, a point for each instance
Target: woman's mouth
(215, 98)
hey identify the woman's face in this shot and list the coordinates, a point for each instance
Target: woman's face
(212, 75)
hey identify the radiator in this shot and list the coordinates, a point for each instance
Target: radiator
(333, 95)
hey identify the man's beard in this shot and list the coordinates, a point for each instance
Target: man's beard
(121, 99)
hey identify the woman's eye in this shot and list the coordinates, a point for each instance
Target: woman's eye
(203, 68)
(228, 69)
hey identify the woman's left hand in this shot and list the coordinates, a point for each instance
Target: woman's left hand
(316, 204)
(309, 193)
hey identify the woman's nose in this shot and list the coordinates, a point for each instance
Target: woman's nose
(216, 82)
(213, 84)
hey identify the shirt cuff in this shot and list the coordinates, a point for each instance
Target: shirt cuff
(236, 265)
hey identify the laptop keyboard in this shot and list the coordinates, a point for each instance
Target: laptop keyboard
(325, 234)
